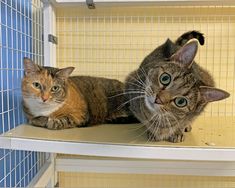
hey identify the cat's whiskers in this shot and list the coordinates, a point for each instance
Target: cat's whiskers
(144, 123)
(141, 86)
(33, 97)
(143, 71)
(126, 93)
(157, 123)
(138, 81)
(146, 79)
(135, 98)
(136, 128)
(162, 119)
(161, 122)
(135, 84)
(172, 116)
(170, 125)
(122, 90)
(154, 117)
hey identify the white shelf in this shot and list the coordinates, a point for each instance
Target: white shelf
(128, 141)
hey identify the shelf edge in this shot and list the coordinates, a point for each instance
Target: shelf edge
(122, 151)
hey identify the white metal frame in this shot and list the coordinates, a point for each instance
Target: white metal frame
(145, 2)
(49, 28)
(187, 161)
(46, 177)
(43, 177)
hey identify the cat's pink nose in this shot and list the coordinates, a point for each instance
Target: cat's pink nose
(45, 98)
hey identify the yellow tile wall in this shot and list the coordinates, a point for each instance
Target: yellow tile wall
(95, 180)
(112, 41)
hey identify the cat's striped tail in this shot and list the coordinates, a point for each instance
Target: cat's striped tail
(183, 39)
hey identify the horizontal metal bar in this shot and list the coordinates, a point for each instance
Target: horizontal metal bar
(127, 166)
(159, 2)
(118, 150)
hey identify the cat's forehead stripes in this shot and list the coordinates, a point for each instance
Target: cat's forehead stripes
(51, 71)
(46, 79)
(48, 76)
(174, 69)
(184, 84)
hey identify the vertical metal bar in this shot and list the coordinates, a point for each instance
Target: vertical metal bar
(49, 28)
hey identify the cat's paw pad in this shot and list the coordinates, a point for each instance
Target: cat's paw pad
(188, 128)
(176, 138)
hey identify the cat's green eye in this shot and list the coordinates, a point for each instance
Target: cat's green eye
(55, 88)
(165, 79)
(37, 85)
(180, 102)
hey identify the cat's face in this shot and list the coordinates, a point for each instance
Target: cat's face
(172, 89)
(44, 86)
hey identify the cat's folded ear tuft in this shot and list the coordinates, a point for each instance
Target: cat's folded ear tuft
(65, 72)
(30, 67)
(211, 94)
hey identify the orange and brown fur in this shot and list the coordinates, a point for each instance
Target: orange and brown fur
(54, 100)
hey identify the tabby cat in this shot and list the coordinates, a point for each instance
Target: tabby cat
(169, 90)
(53, 100)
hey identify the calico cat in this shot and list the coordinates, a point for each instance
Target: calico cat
(169, 90)
(53, 100)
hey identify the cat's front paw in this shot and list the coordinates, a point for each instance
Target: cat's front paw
(60, 123)
(39, 121)
(54, 124)
(176, 138)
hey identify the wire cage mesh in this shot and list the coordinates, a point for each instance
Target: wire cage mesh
(21, 29)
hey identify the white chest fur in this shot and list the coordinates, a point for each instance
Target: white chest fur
(39, 108)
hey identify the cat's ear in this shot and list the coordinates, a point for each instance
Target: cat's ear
(186, 54)
(211, 94)
(65, 72)
(30, 67)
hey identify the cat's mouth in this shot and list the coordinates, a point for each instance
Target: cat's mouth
(43, 102)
